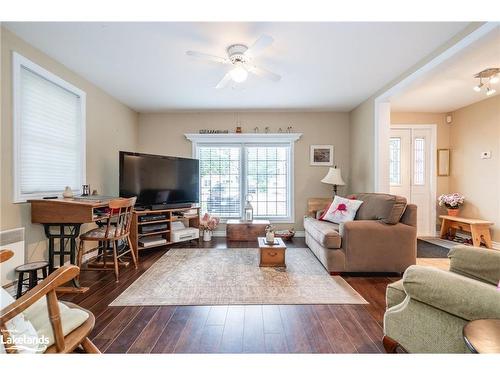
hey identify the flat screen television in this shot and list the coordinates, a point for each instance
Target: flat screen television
(159, 181)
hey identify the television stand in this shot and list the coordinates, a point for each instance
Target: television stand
(161, 219)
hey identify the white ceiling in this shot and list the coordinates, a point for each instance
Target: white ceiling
(449, 86)
(328, 66)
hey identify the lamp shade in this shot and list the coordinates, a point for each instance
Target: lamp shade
(333, 177)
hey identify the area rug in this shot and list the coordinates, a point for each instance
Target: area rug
(233, 277)
(427, 248)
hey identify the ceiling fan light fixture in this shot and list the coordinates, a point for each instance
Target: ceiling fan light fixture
(495, 79)
(490, 91)
(477, 88)
(239, 74)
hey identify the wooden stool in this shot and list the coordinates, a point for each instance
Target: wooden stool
(32, 270)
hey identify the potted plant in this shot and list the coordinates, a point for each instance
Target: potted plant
(452, 202)
(207, 224)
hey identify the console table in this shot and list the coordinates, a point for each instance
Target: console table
(240, 230)
(479, 229)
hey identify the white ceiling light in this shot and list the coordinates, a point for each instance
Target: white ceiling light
(491, 75)
(239, 74)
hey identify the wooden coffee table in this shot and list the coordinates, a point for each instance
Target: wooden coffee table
(483, 336)
(272, 255)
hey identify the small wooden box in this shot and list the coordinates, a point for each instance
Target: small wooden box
(272, 255)
(239, 230)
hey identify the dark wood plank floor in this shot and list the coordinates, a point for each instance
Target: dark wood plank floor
(231, 329)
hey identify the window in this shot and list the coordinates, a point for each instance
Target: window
(419, 170)
(230, 172)
(267, 180)
(395, 161)
(49, 132)
(220, 180)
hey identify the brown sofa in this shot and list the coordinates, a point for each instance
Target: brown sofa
(382, 237)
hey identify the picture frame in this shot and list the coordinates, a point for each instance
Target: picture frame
(321, 155)
(443, 162)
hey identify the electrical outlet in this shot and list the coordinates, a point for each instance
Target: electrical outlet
(486, 155)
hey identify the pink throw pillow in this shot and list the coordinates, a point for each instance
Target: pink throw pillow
(341, 210)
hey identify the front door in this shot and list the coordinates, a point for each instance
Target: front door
(410, 164)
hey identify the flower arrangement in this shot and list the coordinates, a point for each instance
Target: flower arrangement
(209, 222)
(451, 201)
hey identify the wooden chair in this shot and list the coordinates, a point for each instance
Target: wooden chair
(47, 288)
(117, 227)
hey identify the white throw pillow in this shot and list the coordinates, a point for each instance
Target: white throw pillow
(341, 210)
(21, 331)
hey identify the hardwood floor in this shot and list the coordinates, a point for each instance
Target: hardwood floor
(231, 329)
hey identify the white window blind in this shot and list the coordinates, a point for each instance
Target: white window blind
(49, 132)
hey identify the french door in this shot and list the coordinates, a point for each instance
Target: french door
(411, 171)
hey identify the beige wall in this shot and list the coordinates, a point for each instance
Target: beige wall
(163, 133)
(111, 126)
(476, 128)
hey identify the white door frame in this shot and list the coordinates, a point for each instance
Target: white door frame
(433, 163)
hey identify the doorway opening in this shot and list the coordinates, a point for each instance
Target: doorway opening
(412, 163)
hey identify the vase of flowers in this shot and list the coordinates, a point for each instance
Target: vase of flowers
(208, 223)
(452, 202)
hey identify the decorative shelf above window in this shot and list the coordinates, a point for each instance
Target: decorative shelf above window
(244, 137)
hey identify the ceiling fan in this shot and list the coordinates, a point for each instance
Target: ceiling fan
(241, 59)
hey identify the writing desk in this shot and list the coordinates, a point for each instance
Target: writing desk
(62, 219)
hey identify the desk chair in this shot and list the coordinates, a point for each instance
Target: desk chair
(116, 228)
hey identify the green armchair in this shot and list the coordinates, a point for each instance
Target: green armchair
(428, 308)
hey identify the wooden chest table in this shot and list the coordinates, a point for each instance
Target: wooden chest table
(479, 229)
(239, 230)
(272, 255)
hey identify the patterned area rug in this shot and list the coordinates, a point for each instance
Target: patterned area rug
(233, 277)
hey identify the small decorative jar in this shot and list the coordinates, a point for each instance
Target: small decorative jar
(67, 193)
(270, 234)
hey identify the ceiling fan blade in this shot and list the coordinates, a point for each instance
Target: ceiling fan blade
(207, 57)
(261, 72)
(263, 42)
(224, 81)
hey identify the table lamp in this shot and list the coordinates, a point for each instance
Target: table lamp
(334, 178)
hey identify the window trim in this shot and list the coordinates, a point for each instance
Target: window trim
(243, 140)
(18, 62)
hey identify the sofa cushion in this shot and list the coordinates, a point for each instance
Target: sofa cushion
(38, 315)
(341, 210)
(385, 207)
(326, 233)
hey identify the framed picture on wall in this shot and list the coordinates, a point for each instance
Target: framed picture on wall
(321, 155)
